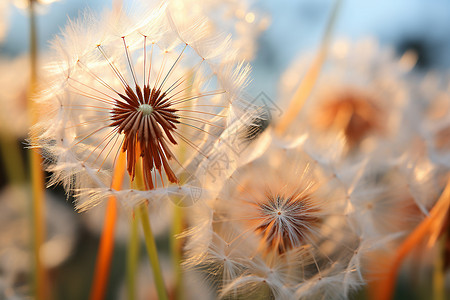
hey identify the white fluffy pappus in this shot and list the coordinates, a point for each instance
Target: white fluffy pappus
(279, 224)
(357, 100)
(143, 82)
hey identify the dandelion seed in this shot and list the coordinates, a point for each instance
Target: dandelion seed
(257, 125)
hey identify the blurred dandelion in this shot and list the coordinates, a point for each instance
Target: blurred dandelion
(358, 99)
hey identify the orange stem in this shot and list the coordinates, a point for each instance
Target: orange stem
(430, 227)
(41, 284)
(307, 84)
(106, 247)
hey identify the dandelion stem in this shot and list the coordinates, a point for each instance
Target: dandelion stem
(37, 176)
(176, 246)
(106, 247)
(133, 257)
(430, 227)
(176, 243)
(152, 252)
(150, 243)
(304, 90)
(38, 223)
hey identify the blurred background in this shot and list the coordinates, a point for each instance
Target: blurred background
(294, 27)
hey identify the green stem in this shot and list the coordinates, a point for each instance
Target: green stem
(152, 252)
(133, 258)
(176, 247)
(142, 213)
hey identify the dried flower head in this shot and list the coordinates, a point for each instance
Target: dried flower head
(279, 224)
(391, 196)
(148, 84)
(357, 100)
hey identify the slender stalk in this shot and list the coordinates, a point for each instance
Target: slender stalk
(178, 226)
(304, 90)
(152, 252)
(37, 176)
(150, 243)
(133, 257)
(38, 224)
(106, 247)
(176, 247)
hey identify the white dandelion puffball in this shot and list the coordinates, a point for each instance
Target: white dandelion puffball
(145, 83)
(278, 229)
(357, 100)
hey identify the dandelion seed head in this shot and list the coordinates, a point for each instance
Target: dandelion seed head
(151, 85)
(280, 222)
(357, 101)
(285, 221)
(285, 209)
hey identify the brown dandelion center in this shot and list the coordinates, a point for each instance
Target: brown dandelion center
(286, 222)
(148, 120)
(352, 113)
